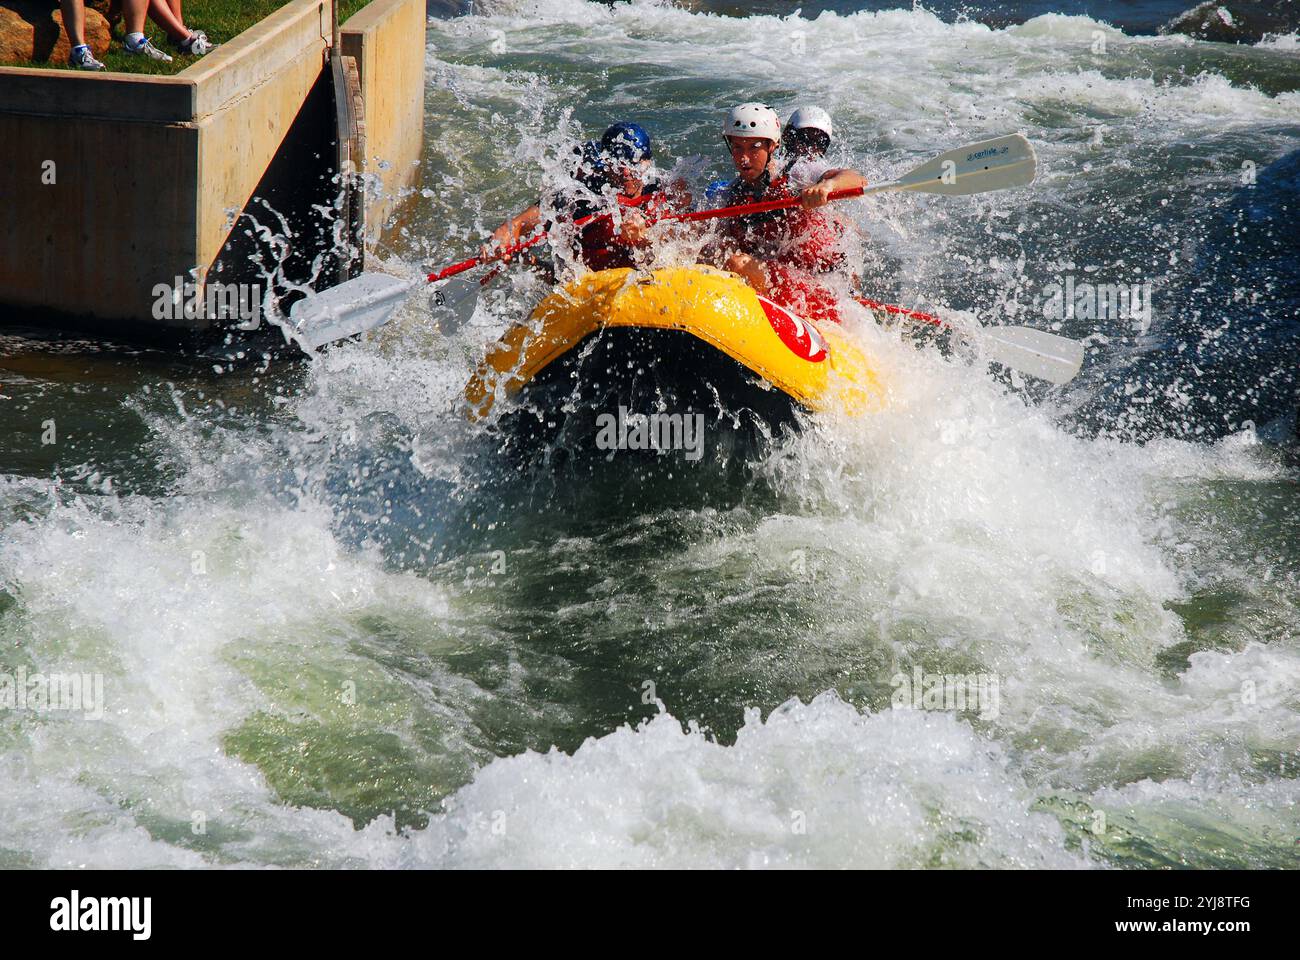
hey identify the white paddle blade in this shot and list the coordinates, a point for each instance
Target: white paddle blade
(1035, 352)
(995, 164)
(360, 304)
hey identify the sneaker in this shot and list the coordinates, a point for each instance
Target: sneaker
(197, 45)
(82, 59)
(147, 49)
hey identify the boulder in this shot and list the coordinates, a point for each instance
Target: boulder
(110, 10)
(31, 30)
(1237, 21)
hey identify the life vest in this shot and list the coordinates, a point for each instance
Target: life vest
(601, 248)
(596, 244)
(801, 292)
(807, 239)
(795, 244)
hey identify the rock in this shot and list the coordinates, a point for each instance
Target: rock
(1237, 21)
(33, 31)
(110, 10)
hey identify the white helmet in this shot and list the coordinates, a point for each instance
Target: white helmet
(752, 120)
(810, 117)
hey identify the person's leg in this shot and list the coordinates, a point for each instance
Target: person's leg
(74, 21)
(748, 268)
(169, 18)
(167, 14)
(133, 14)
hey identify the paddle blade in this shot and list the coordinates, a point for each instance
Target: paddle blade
(360, 304)
(1035, 352)
(995, 164)
(458, 297)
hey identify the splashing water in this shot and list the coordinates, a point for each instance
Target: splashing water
(335, 631)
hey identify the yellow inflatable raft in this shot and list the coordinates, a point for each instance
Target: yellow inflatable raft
(680, 334)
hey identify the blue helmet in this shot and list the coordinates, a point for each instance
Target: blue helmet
(627, 142)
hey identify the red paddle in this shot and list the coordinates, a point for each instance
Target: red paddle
(740, 210)
(900, 311)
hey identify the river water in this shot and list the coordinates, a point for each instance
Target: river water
(332, 630)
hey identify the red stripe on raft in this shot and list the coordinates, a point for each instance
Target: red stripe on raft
(801, 337)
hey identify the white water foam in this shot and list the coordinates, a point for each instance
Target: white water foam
(815, 785)
(960, 521)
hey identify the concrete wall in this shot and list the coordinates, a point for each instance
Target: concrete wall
(119, 214)
(246, 94)
(387, 40)
(150, 173)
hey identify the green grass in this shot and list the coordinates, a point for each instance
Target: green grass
(221, 20)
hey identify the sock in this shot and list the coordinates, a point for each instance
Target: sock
(134, 40)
